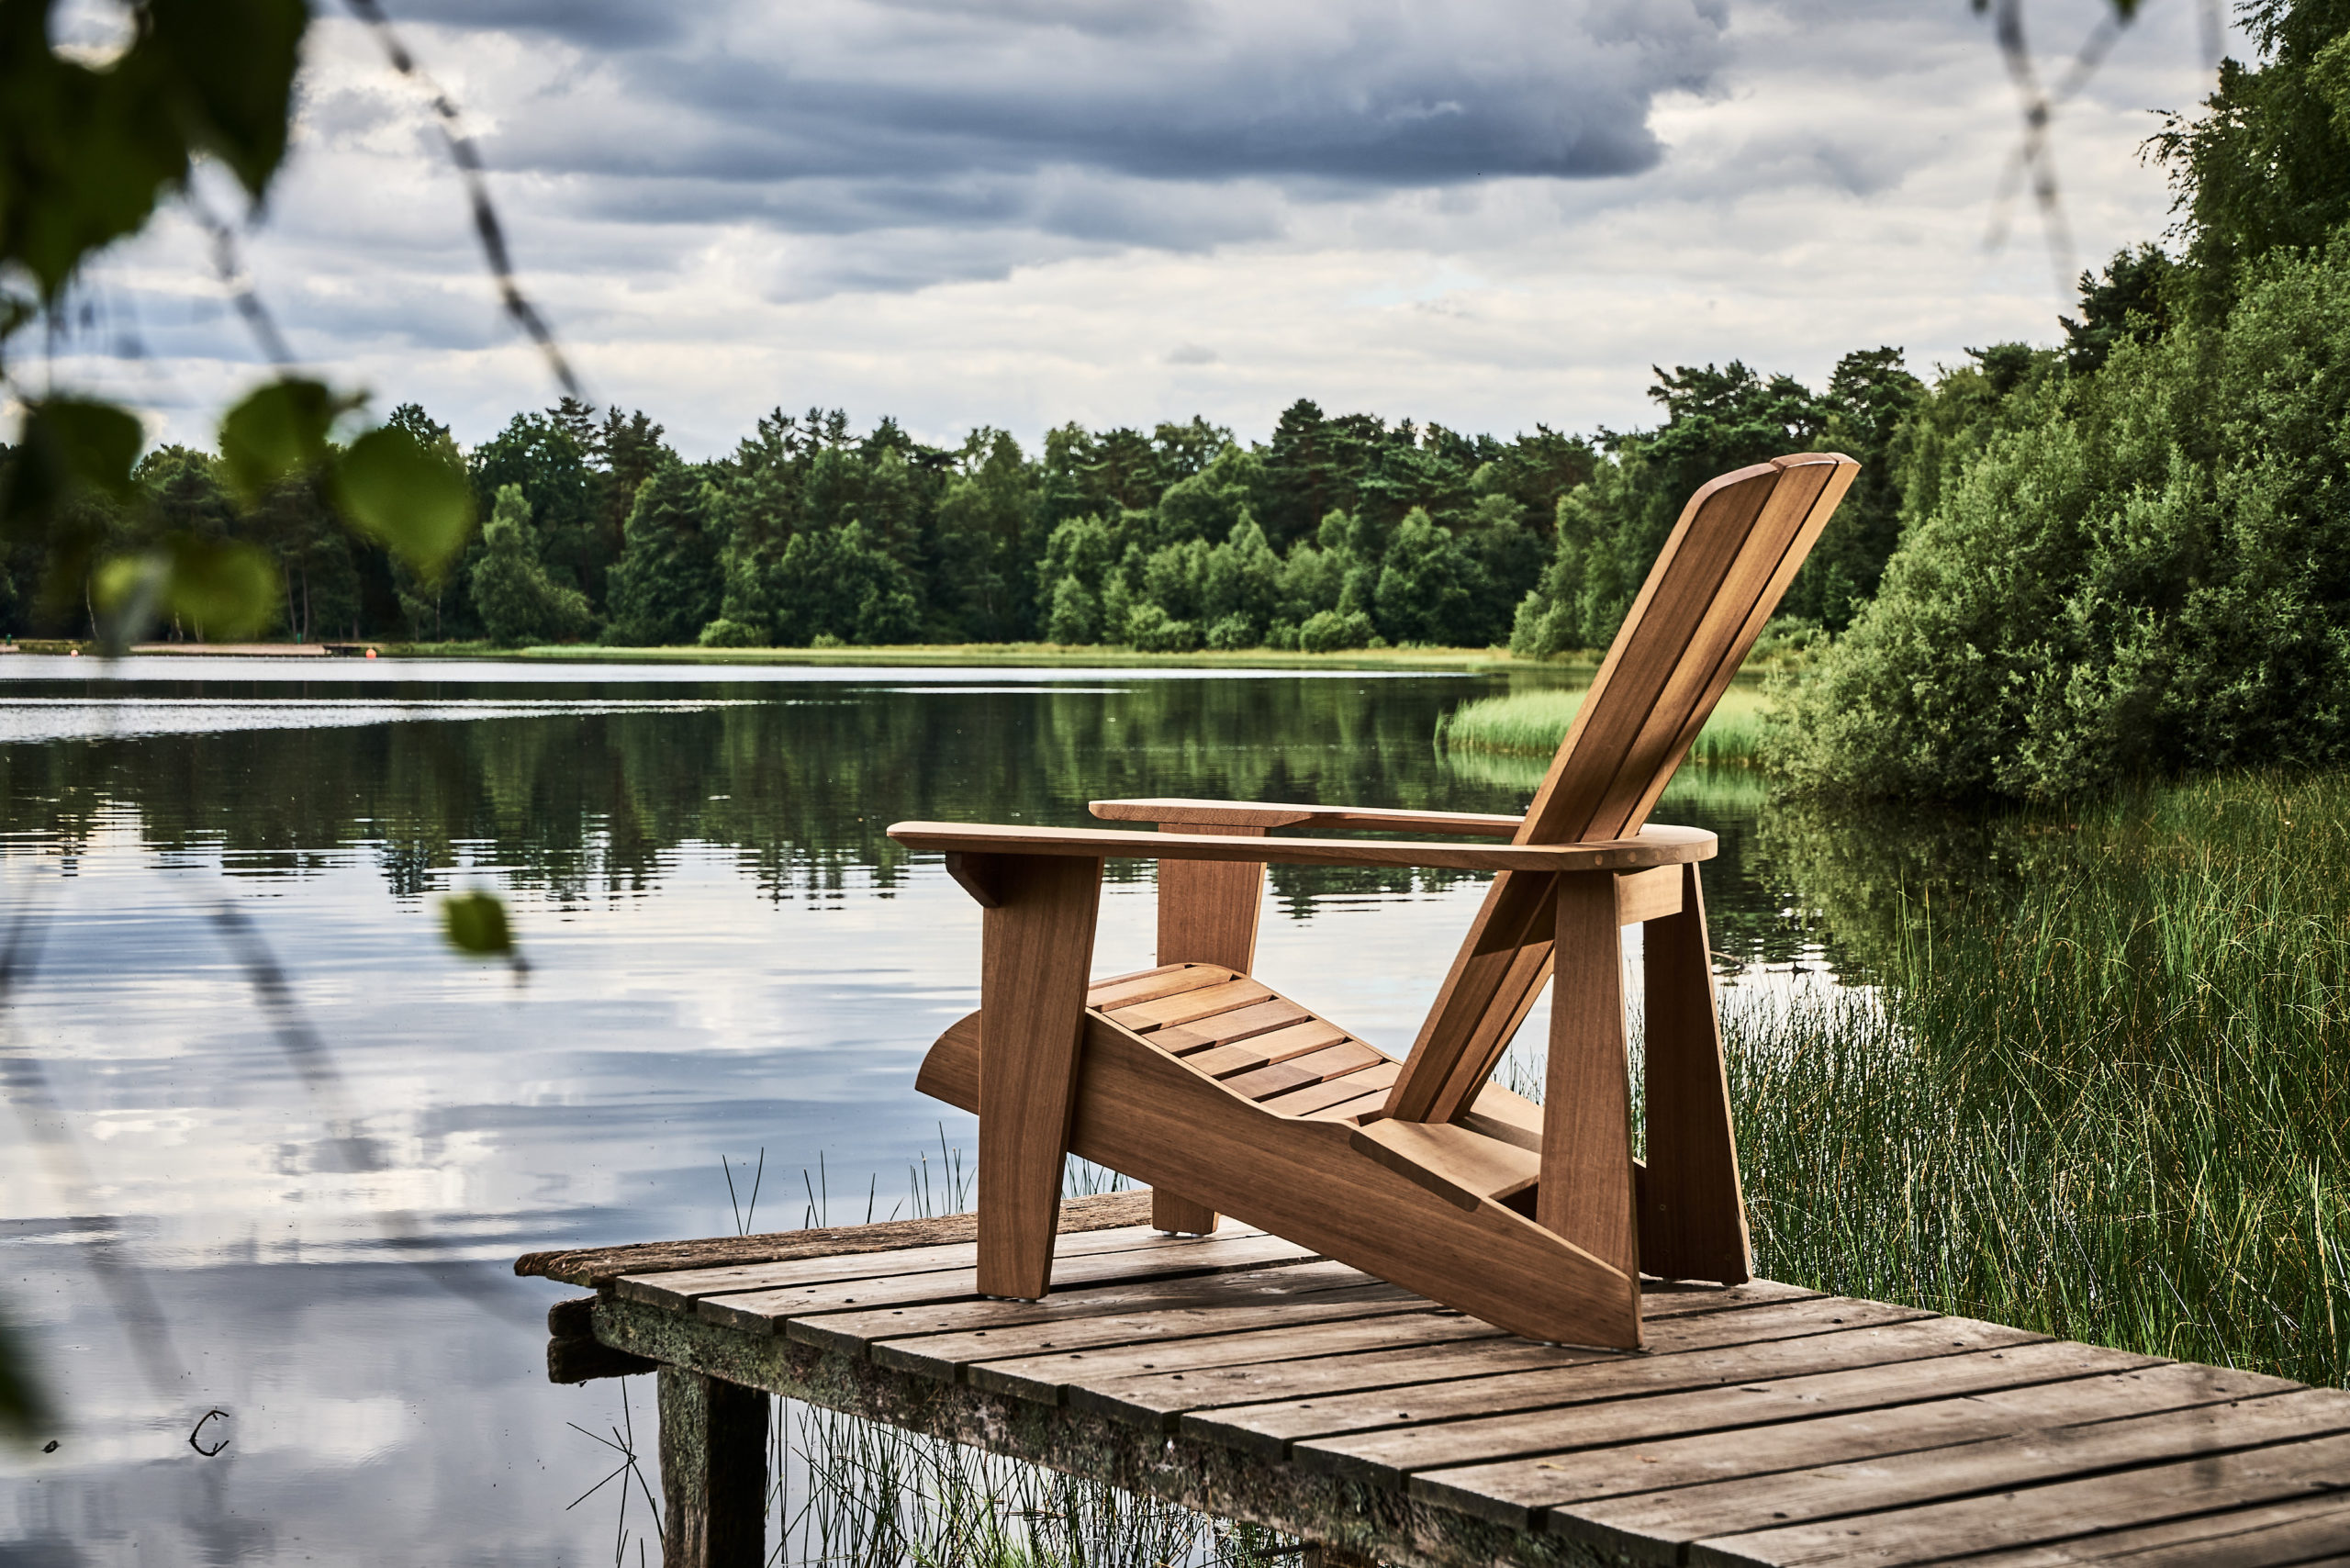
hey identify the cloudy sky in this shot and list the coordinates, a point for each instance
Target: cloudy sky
(1488, 213)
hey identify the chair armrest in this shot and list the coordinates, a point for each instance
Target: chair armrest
(1252, 814)
(1654, 847)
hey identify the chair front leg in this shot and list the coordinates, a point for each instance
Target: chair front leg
(1207, 915)
(1585, 1195)
(1036, 951)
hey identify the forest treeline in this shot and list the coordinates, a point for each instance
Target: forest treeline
(1336, 531)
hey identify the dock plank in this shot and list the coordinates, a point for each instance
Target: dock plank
(936, 1341)
(599, 1266)
(1050, 1379)
(2301, 1532)
(1930, 1532)
(1725, 1483)
(765, 1311)
(679, 1289)
(1613, 1413)
(1327, 1400)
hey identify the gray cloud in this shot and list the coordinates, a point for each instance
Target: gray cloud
(933, 104)
(590, 24)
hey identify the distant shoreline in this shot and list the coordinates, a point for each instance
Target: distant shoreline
(950, 654)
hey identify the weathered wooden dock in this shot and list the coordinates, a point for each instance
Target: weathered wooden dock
(1241, 1376)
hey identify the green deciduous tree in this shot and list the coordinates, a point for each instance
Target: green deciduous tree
(515, 598)
(2140, 572)
(2267, 163)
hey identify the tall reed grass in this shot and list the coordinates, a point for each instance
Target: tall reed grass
(2105, 1094)
(1532, 723)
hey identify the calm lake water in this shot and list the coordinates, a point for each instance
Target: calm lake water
(311, 1203)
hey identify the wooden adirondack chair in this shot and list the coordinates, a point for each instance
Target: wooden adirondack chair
(1227, 1097)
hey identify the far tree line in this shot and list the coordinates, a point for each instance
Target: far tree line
(1334, 532)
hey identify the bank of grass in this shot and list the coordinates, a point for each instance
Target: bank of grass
(1532, 723)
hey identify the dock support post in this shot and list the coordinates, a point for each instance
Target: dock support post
(713, 1472)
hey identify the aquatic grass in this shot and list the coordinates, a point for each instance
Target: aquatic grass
(1532, 723)
(879, 1496)
(2107, 1097)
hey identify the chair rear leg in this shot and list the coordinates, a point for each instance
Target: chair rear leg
(1207, 915)
(1585, 1195)
(1693, 1214)
(1036, 950)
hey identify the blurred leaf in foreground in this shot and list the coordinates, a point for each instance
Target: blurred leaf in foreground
(67, 445)
(475, 924)
(278, 431)
(419, 504)
(224, 590)
(23, 1409)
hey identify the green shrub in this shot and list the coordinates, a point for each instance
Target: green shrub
(1327, 631)
(724, 634)
(1152, 630)
(2146, 571)
(1233, 633)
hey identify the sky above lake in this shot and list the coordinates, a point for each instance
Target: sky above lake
(1485, 213)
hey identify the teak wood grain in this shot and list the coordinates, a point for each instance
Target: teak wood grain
(1587, 1161)
(1303, 1180)
(1207, 915)
(1261, 815)
(1036, 948)
(1693, 1212)
(1722, 572)
(1651, 847)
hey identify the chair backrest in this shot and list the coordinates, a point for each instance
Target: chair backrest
(1716, 581)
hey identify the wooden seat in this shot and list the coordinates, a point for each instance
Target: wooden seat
(1226, 1097)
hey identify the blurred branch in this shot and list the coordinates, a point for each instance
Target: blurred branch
(468, 158)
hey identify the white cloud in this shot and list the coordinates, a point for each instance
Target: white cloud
(1486, 214)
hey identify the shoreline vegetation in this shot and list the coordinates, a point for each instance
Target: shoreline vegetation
(1532, 723)
(1574, 668)
(2086, 1071)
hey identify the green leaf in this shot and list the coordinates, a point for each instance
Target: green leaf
(231, 64)
(280, 429)
(88, 151)
(67, 445)
(227, 590)
(476, 923)
(223, 590)
(416, 502)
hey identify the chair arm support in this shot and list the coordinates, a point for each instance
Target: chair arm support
(1654, 847)
(1254, 813)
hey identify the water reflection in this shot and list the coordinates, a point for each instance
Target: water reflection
(728, 955)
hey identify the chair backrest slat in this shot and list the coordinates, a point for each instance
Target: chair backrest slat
(1716, 583)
